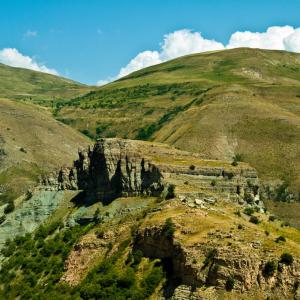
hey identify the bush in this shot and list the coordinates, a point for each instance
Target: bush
(249, 211)
(213, 183)
(280, 239)
(286, 258)
(215, 268)
(238, 213)
(9, 207)
(272, 218)
(248, 198)
(234, 163)
(169, 228)
(99, 234)
(152, 280)
(192, 167)
(211, 254)
(137, 256)
(240, 226)
(229, 284)
(269, 269)
(170, 192)
(254, 220)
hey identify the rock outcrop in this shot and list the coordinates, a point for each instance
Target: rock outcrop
(194, 268)
(120, 168)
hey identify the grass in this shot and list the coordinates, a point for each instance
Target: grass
(32, 86)
(220, 104)
(33, 130)
(285, 211)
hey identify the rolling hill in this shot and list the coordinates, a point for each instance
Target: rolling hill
(240, 102)
(24, 84)
(31, 143)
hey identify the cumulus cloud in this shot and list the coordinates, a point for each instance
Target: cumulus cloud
(175, 44)
(12, 57)
(292, 41)
(273, 38)
(183, 42)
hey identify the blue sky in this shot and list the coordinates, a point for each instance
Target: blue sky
(90, 40)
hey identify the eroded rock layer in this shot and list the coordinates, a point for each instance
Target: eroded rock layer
(117, 167)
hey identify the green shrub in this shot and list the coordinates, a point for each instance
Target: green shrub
(192, 167)
(137, 256)
(286, 258)
(272, 218)
(152, 280)
(280, 239)
(213, 183)
(9, 207)
(229, 285)
(254, 220)
(210, 256)
(169, 228)
(269, 268)
(170, 192)
(238, 213)
(248, 198)
(215, 268)
(249, 211)
(100, 233)
(87, 133)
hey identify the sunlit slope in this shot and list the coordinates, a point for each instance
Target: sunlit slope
(24, 84)
(31, 142)
(223, 103)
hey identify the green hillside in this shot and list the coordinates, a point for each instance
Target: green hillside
(31, 143)
(30, 85)
(243, 102)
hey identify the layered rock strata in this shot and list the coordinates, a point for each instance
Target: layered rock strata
(117, 168)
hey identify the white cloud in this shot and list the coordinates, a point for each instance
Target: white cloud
(142, 60)
(273, 38)
(30, 33)
(292, 42)
(12, 57)
(183, 42)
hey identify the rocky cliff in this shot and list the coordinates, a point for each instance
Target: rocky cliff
(209, 253)
(116, 167)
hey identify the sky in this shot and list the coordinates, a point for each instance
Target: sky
(96, 41)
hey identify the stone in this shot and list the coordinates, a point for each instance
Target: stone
(125, 168)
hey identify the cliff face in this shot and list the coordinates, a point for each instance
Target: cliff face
(206, 253)
(116, 167)
(113, 168)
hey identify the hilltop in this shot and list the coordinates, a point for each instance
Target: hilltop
(28, 85)
(241, 103)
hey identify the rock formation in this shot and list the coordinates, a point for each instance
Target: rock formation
(120, 168)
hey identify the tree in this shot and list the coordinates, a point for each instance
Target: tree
(286, 258)
(9, 207)
(169, 228)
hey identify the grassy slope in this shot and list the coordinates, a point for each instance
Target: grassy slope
(244, 101)
(46, 144)
(17, 83)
